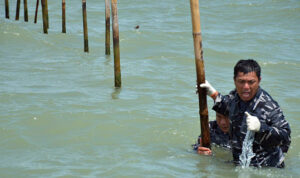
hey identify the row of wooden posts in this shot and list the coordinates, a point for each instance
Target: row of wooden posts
(196, 36)
(115, 27)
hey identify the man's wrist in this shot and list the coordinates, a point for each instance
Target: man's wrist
(214, 95)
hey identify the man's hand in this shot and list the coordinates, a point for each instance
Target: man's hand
(203, 150)
(211, 91)
(253, 124)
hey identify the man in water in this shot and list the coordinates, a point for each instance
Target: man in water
(265, 118)
(218, 130)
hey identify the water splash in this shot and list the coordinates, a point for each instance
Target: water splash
(247, 152)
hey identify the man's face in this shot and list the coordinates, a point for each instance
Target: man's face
(246, 85)
(223, 122)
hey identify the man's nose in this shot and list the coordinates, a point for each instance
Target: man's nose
(246, 85)
(222, 122)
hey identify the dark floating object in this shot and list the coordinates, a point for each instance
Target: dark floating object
(137, 27)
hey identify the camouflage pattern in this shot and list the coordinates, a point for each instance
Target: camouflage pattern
(270, 141)
(217, 136)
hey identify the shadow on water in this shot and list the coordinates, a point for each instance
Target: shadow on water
(115, 94)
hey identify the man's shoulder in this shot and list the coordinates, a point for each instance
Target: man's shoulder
(266, 97)
(228, 97)
(264, 100)
(232, 94)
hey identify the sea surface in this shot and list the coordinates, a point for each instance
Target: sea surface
(61, 116)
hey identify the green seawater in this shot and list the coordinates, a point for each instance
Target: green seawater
(60, 115)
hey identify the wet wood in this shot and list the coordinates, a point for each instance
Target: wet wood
(44, 16)
(25, 11)
(107, 27)
(36, 10)
(85, 29)
(6, 9)
(63, 16)
(46, 11)
(18, 10)
(116, 44)
(203, 112)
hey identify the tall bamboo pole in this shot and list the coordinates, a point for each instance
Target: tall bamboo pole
(63, 16)
(25, 11)
(44, 17)
(18, 10)
(107, 27)
(200, 72)
(7, 9)
(116, 44)
(36, 11)
(85, 29)
(46, 11)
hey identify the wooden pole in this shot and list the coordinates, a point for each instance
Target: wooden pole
(44, 17)
(116, 44)
(107, 27)
(47, 16)
(46, 11)
(200, 72)
(25, 11)
(85, 30)
(7, 9)
(36, 10)
(63, 16)
(18, 10)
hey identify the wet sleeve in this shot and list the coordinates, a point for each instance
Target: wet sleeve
(276, 130)
(221, 104)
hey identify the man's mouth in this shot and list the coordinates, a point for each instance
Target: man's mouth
(246, 94)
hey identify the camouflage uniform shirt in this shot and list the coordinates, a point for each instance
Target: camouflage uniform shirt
(270, 141)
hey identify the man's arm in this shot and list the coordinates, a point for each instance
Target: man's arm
(221, 102)
(276, 130)
(270, 124)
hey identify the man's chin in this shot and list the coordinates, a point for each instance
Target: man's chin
(225, 130)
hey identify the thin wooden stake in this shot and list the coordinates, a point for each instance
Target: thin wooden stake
(63, 16)
(44, 17)
(85, 29)
(25, 11)
(18, 9)
(200, 72)
(36, 10)
(6, 9)
(46, 11)
(116, 44)
(107, 27)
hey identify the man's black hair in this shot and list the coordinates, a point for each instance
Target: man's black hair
(245, 66)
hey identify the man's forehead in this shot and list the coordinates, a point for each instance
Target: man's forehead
(246, 75)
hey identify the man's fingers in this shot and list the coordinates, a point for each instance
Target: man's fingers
(203, 149)
(204, 152)
(203, 85)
